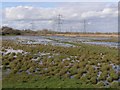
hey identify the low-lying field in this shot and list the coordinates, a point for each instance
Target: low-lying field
(48, 66)
(71, 34)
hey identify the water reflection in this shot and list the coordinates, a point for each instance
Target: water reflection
(59, 40)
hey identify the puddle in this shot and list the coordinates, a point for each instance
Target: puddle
(68, 72)
(41, 62)
(13, 51)
(116, 67)
(7, 72)
(45, 69)
(99, 73)
(28, 72)
(72, 76)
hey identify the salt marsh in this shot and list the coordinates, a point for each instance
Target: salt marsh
(61, 58)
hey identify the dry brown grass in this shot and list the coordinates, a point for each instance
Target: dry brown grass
(87, 35)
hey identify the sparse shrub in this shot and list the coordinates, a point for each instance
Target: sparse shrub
(93, 80)
(109, 79)
(114, 75)
(73, 71)
(77, 76)
(84, 80)
(66, 76)
(103, 75)
(114, 84)
(100, 84)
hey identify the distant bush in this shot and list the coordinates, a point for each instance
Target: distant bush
(10, 31)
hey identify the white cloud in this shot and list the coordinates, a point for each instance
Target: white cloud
(76, 11)
(105, 13)
(28, 12)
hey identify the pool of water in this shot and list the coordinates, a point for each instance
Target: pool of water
(59, 40)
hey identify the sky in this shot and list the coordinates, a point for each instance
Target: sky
(60, 0)
(98, 16)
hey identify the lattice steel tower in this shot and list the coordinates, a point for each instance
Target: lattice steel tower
(59, 22)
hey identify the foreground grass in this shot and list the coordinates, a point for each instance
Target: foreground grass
(38, 82)
(65, 62)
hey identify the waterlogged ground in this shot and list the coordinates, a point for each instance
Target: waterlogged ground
(59, 62)
(60, 40)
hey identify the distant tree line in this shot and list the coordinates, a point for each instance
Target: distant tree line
(11, 31)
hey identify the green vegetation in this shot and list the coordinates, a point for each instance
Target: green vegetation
(50, 66)
(113, 39)
(38, 82)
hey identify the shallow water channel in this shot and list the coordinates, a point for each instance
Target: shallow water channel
(59, 40)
